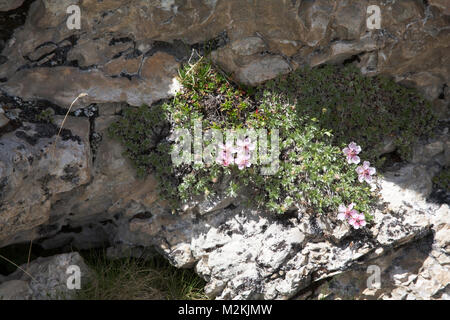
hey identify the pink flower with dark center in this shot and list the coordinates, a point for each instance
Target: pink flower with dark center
(346, 212)
(357, 220)
(227, 149)
(365, 172)
(243, 161)
(245, 146)
(225, 154)
(351, 152)
(224, 161)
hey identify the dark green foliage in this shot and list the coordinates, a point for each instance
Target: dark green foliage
(46, 115)
(143, 132)
(366, 110)
(442, 180)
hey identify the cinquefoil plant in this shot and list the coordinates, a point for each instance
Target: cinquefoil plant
(313, 172)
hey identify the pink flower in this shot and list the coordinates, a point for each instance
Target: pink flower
(243, 161)
(245, 146)
(227, 149)
(365, 172)
(353, 217)
(225, 154)
(224, 161)
(357, 220)
(346, 212)
(351, 152)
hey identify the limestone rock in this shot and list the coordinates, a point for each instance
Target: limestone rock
(8, 5)
(350, 21)
(423, 153)
(442, 5)
(413, 182)
(433, 150)
(412, 272)
(248, 46)
(50, 279)
(316, 18)
(3, 120)
(242, 253)
(121, 44)
(245, 254)
(15, 290)
(30, 163)
(158, 83)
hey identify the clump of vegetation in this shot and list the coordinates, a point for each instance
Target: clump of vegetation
(46, 115)
(317, 112)
(368, 110)
(138, 279)
(120, 279)
(143, 132)
(442, 180)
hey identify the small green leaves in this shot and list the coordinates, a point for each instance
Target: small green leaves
(316, 112)
(46, 115)
(369, 110)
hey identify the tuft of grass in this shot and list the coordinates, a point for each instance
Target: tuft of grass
(138, 279)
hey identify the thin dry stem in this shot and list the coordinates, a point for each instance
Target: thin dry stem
(29, 254)
(26, 272)
(64, 120)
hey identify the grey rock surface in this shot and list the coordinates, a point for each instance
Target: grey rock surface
(46, 278)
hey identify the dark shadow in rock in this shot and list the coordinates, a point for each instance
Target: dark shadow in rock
(10, 20)
(440, 196)
(393, 161)
(18, 253)
(440, 193)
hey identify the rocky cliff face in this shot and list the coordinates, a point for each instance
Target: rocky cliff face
(128, 51)
(79, 190)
